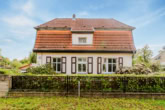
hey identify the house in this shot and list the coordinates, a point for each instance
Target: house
(23, 69)
(160, 58)
(84, 46)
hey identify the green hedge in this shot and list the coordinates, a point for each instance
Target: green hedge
(89, 83)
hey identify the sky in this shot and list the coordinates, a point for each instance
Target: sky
(19, 17)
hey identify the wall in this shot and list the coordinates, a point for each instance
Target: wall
(127, 58)
(4, 85)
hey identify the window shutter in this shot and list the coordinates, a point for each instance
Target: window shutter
(90, 65)
(63, 65)
(99, 60)
(120, 62)
(48, 60)
(73, 65)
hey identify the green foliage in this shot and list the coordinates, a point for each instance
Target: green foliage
(136, 69)
(15, 64)
(143, 55)
(43, 69)
(32, 57)
(89, 83)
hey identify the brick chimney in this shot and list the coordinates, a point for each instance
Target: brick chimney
(74, 17)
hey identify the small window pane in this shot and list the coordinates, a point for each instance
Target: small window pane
(79, 67)
(84, 67)
(54, 59)
(59, 59)
(54, 67)
(109, 60)
(58, 67)
(114, 60)
(79, 59)
(109, 67)
(114, 67)
(82, 40)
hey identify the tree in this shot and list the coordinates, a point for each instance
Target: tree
(143, 55)
(25, 61)
(15, 64)
(33, 57)
(0, 52)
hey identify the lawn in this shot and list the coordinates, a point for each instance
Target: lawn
(72, 103)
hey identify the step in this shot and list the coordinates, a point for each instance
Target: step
(3, 94)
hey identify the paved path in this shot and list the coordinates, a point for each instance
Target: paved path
(4, 85)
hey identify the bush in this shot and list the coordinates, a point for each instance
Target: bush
(89, 83)
(2, 72)
(136, 69)
(155, 67)
(44, 69)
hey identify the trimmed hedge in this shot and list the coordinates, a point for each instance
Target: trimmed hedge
(89, 83)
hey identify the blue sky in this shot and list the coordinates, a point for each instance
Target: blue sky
(18, 17)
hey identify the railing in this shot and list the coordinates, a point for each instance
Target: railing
(90, 84)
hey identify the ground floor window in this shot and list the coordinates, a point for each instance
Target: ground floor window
(82, 65)
(109, 65)
(57, 65)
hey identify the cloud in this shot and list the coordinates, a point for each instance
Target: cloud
(83, 13)
(28, 7)
(18, 20)
(148, 18)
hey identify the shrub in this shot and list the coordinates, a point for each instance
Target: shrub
(2, 72)
(155, 67)
(89, 83)
(44, 69)
(136, 69)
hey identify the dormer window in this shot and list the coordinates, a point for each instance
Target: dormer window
(82, 40)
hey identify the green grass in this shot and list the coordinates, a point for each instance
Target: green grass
(72, 103)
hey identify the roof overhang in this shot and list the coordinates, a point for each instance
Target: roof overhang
(83, 51)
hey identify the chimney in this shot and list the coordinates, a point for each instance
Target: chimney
(74, 17)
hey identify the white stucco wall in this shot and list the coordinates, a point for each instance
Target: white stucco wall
(75, 38)
(127, 58)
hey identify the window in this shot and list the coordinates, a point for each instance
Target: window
(109, 65)
(57, 65)
(82, 40)
(82, 65)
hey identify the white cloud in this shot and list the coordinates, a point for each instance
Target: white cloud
(83, 13)
(8, 40)
(28, 7)
(18, 20)
(148, 18)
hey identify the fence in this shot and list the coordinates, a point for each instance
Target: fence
(90, 84)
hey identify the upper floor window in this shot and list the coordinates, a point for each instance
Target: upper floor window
(82, 40)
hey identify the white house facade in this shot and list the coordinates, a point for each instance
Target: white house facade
(84, 46)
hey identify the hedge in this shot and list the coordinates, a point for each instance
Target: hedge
(89, 83)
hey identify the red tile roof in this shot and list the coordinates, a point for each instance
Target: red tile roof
(116, 40)
(85, 24)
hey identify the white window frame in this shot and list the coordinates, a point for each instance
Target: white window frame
(107, 65)
(82, 40)
(57, 64)
(85, 62)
